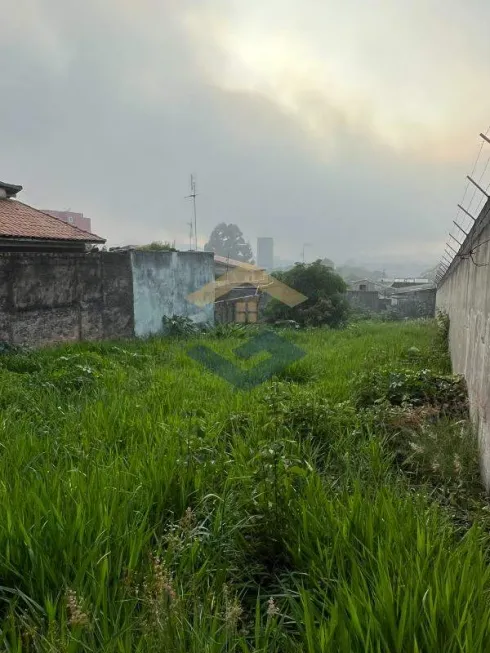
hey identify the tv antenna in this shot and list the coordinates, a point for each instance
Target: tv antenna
(303, 251)
(193, 196)
(190, 234)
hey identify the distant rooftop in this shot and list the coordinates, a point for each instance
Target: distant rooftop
(232, 263)
(409, 280)
(415, 288)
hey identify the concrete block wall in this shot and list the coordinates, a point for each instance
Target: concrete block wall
(364, 299)
(46, 298)
(50, 298)
(162, 281)
(464, 294)
(417, 304)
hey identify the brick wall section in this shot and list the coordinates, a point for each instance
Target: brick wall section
(48, 298)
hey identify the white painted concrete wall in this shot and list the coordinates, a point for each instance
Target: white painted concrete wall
(161, 283)
(464, 294)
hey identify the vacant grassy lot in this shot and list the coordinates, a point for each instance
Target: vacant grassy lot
(146, 505)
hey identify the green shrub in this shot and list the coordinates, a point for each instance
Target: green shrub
(232, 330)
(411, 386)
(70, 372)
(299, 372)
(442, 319)
(179, 325)
(325, 297)
(21, 363)
(305, 414)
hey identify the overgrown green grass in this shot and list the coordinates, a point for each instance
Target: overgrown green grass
(146, 505)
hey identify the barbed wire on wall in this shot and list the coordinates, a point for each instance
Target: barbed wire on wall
(476, 188)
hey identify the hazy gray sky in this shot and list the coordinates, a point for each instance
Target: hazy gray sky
(349, 125)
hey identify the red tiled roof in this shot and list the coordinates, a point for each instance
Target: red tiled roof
(18, 220)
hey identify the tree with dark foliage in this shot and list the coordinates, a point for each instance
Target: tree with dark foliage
(227, 240)
(326, 304)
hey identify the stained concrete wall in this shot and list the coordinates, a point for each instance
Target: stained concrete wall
(364, 299)
(161, 283)
(464, 294)
(415, 304)
(48, 298)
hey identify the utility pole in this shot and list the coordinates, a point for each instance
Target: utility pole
(193, 196)
(305, 245)
(190, 235)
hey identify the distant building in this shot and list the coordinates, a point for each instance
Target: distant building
(410, 298)
(368, 294)
(265, 253)
(416, 300)
(75, 219)
(363, 285)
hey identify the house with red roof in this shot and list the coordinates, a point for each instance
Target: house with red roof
(26, 229)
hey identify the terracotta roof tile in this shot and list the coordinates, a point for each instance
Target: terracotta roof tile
(18, 220)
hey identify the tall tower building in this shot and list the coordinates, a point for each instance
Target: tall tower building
(265, 253)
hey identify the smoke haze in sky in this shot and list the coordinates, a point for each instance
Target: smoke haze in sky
(348, 125)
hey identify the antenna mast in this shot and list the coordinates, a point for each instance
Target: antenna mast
(303, 252)
(193, 196)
